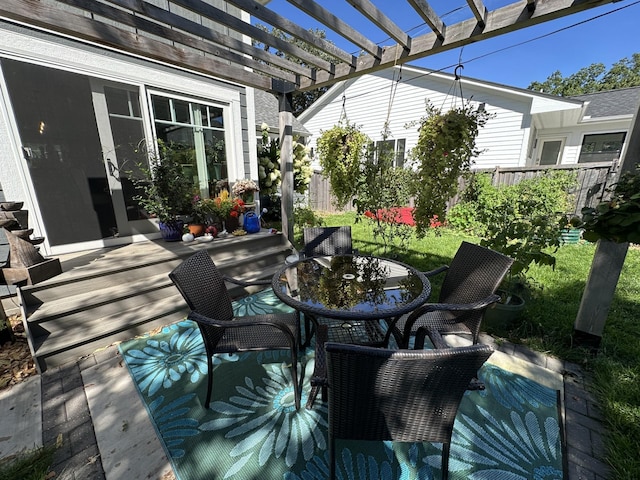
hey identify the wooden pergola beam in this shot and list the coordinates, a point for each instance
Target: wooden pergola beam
(385, 24)
(324, 16)
(191, 35)
(500, 21)
(430, 17)
(258, 10)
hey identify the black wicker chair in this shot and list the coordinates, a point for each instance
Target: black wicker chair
(203, 288)
(468, 289)
(399, 395)
(327, 241)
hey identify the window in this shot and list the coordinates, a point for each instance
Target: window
(127, 130)
(391, 148)
(602, 147)
(194, 131)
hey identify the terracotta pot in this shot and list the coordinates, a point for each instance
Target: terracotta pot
(196, 229)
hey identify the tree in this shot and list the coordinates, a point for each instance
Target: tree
(300, 100)
(594, 78)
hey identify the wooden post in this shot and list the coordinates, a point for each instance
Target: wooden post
(286, 163)
(598, 293)
(607, 264)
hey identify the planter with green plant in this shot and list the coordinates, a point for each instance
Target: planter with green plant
(166, 193)
(442, 155)
(366, 176)
(523, 221)
(571, 231)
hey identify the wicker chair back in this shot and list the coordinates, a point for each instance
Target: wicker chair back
(399, 395)
(327, 241)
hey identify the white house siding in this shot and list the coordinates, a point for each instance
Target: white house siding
(503, 140)
(21, 44)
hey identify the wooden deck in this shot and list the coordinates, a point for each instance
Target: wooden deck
(109, 295)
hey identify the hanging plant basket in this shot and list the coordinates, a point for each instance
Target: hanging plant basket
(341, 150)
(444, 152)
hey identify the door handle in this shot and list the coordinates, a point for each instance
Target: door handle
(113, 170)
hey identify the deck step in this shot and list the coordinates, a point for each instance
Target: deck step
(126, 292)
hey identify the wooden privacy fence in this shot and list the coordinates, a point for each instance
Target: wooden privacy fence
(592, 180)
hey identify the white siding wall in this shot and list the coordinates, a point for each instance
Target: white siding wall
(503, 140)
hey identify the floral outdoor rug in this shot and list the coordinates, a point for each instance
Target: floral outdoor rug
(252, 430)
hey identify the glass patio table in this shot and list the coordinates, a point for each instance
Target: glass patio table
(351, 293)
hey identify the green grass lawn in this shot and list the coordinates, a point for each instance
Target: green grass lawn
(547, 326)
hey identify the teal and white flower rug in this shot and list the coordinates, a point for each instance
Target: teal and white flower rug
(252, 431)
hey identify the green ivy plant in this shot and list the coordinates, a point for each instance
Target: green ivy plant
(618, 219)
(443, 153)
(341, 150)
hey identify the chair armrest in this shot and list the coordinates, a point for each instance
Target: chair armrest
(436, 271)
(434, 335)
(226, 324)
(447, 307)
(246, 283)
(452, 307)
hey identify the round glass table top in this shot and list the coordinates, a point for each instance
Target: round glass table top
(351, 286)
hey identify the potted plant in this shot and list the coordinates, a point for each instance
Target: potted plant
(165, 192)
(199, 213)
(245, 189)
(571, 231)
(228, 210)
(443, 153)
(341, 150)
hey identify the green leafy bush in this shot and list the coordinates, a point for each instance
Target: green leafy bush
(522, 221)
(166, 191)
(269, 176)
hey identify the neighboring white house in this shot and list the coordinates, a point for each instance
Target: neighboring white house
(528, 128)
(71, 117)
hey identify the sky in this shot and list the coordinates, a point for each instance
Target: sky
(604, 34)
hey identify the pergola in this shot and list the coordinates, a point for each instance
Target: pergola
(216, 38)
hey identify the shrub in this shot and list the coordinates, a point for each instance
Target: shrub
(522, 221)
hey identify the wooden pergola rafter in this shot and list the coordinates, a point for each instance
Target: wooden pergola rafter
(196, 35)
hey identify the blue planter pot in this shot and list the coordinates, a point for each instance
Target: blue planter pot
(171, 231)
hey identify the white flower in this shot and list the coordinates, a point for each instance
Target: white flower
(243, 186)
